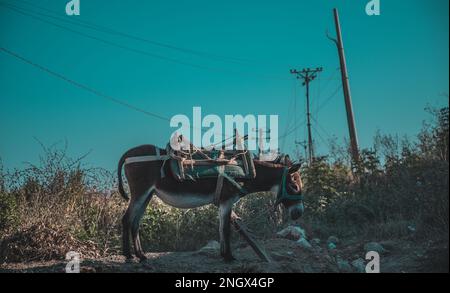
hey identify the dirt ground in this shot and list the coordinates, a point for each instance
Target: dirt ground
(401, 256)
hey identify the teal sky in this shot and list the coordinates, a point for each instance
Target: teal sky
(398, 63)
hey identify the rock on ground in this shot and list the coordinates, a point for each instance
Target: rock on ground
(302, 242)
(292, 232)
(333, 239)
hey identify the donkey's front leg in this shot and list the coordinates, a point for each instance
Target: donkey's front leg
(224, 229)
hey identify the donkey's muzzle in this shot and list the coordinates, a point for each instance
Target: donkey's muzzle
(296, 211)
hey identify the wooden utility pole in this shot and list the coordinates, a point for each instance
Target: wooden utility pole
(307, 75)
(346, 88)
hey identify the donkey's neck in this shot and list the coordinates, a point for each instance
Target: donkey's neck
(268, 175)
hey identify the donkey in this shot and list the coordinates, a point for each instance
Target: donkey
(145, 179)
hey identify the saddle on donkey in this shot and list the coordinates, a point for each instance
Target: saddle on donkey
(192, 163)
(189, 163)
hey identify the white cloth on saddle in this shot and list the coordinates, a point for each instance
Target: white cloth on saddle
(140, 159)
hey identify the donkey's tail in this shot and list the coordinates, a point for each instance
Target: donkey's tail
(119, 175)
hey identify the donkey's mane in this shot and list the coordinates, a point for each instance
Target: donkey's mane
(277, 163)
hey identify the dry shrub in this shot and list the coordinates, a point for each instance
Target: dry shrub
(59, 206)
(40, 243)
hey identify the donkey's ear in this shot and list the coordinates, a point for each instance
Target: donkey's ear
(295, 168)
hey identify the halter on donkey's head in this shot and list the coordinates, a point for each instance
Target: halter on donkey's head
(294, 199)
(283, 194)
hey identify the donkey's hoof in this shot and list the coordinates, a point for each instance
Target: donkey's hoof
(143, 258)
(128, 257)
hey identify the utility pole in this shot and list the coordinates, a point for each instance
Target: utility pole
(346, 88)
(261, 140)
(307, 75)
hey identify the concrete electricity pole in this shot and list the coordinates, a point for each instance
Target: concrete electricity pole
(307, 75)
(346, 88)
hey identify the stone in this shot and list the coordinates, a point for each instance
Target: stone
(212, 245)
(292, 232)
(333, 239)
(302, 242)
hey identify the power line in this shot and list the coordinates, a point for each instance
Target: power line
(137, 51)
(291, 107)
(90, 89)
(302, 123)
(322, 88)
(330, 79)
(20, 10)
(294, 128)
(82, 86)
(101, 40)
(320, 137)
(322, 128)
(330, 137)
(328, 144)
(328, 99)
(104, 29)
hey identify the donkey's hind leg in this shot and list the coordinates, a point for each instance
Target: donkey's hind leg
(140, 208)
(225, 208)
(126, 229)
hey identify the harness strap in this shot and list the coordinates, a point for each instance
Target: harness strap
(219, 186)
(235, 184)
(140, 159)
(157, 157)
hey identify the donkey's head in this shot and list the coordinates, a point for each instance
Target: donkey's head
(290, 191)
(282, 177)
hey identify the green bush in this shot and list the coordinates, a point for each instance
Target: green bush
(396, 182)
(164, 228)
